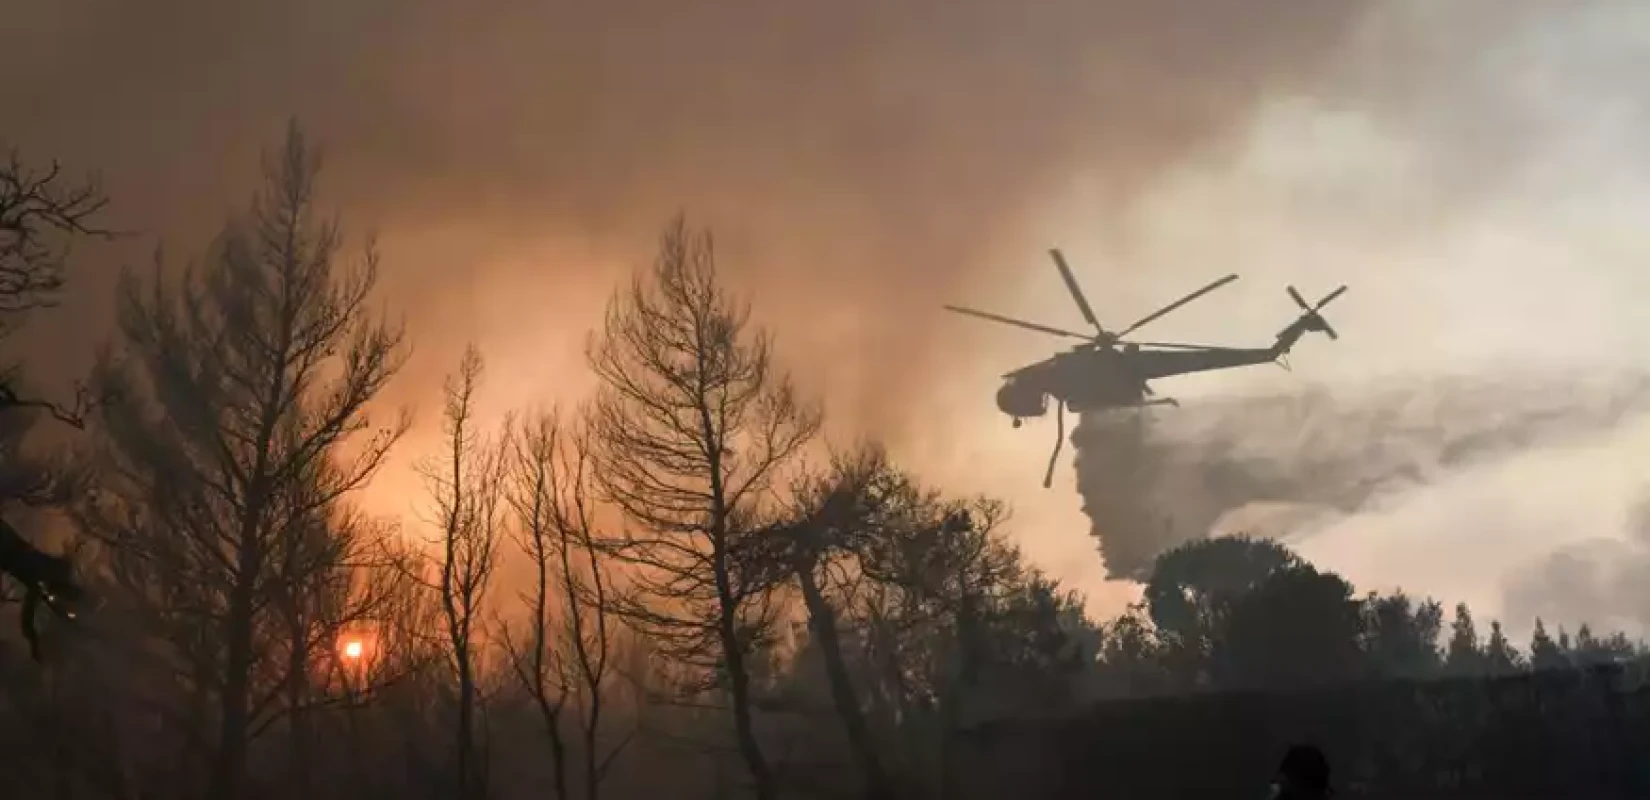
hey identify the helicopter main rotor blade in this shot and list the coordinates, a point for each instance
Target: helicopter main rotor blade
(1327, 328)
(1177, 304)
(1018, 323)
(1300, 301)
(1076, 293)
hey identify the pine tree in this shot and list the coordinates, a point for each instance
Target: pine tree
(1464, 655)
(1545, 654)
(1500, 657)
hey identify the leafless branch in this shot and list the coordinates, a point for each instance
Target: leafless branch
(689, 430)
(220, 489)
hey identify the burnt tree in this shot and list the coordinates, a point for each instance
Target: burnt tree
(691, 427)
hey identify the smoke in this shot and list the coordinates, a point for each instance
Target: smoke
(864, 161)
(1479, 187)
(1153, 480)
(1599, 578)
(516, 157)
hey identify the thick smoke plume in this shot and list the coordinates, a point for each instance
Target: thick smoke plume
(858, 159)
(1150, 481)
(864, 161)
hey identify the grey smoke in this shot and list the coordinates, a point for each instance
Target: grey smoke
(1603, 581)
(851, 155)
(1152, 481)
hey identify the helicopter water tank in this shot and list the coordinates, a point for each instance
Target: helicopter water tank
(1019, 400)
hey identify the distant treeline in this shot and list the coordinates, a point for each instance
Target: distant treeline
(1241, 649)
(1244, 614)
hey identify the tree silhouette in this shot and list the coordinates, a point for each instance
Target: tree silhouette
(1400, 637)
(1592, 650)
(238, 385)
(562, 663)
(41, 212)
(1501, 658)
(1464, 654)
(1193, 588)
(1132, 661)
(1298, 629)
(1545, 654)
(465, 484)
(833, 516)
(692, 426)
(940, 576)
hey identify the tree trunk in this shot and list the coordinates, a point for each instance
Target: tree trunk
(300, 739)
(466, 722)
(733, 655)
(552, 728)
(961, 688)
(592, 762)
(822, 621)
(229, 764)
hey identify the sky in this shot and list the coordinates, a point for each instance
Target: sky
(1470, 168)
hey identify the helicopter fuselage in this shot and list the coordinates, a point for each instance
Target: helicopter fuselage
(1085, 380)
(1094, 379)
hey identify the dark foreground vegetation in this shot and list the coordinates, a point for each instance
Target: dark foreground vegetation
(673, 590)
(1570, 733)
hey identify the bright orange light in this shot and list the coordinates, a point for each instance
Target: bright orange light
(353, 649)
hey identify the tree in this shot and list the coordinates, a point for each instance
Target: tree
(41, 213)
(1131, 658)
(1041, 643)
(465, 483)
(41, 210)
(1298, 629)
(551, 494)
(691, 427)
(1545, 654)
(944, 601)
(238, 385)
(1464, 655)
(1193, 588)
(1591, 650)
(832, 515)
(1500, 657)
(1400, 637)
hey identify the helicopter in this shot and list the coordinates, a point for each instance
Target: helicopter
(1108, 372)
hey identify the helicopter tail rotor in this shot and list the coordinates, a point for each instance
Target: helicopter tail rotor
(1312, 318)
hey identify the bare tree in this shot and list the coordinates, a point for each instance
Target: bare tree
(555, 511)
(690, 430)
(41, 210)
(465, 483)
(238, 385)
(537, 662)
